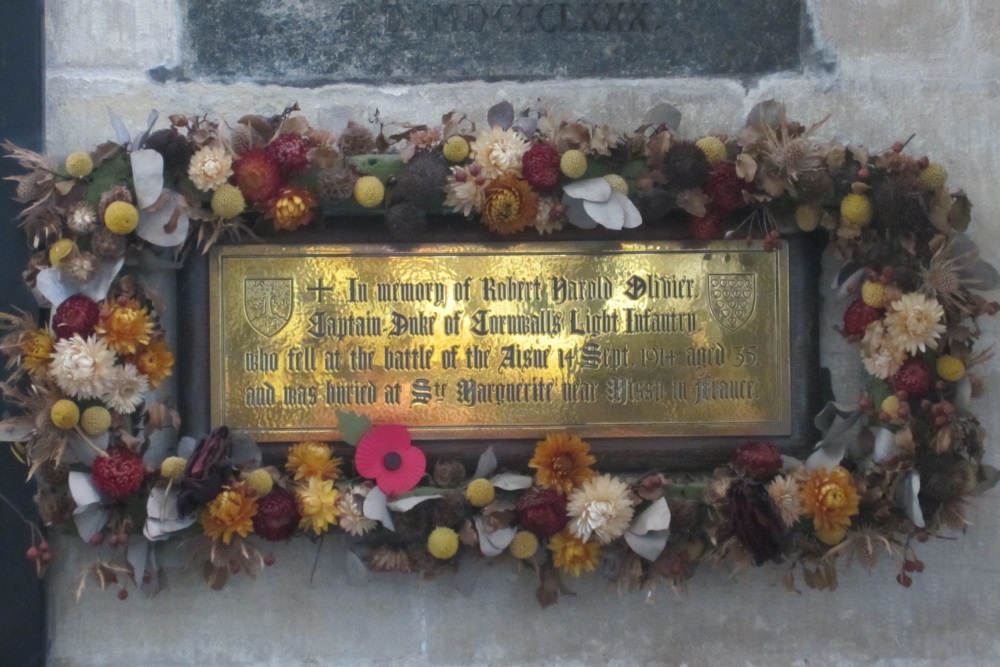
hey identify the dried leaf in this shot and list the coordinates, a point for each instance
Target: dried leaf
(216, 577)
(663, 114)
(746, 167)
(961, 212)
(501, 115)
(487, 464)
(550, 586)
(352, 426)
(694, 202)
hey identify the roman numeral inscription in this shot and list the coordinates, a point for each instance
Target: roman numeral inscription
(419, 41)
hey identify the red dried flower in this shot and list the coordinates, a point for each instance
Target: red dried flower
(542, 511)
(757, 521)
(291, 152)
(257, 175)
(760, 460)
(708, 228)
(857, 317)
(914, 377)
(120, 473)
(540, 166)
(277, 517)
(726, 188)
(77, 315)
(386, 455)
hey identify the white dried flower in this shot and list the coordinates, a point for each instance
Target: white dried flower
(352, 518)
(914, 321)
(499, 151)
(82, 368)
(125, 389)
(210, 167)
(601, 506)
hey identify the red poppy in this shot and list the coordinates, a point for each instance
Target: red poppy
(385, 454)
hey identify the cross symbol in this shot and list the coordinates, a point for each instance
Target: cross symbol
(320, 288)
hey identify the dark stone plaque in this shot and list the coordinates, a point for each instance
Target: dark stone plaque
(312, 42)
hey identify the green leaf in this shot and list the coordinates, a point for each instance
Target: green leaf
(988, 478)
(352, 426)
(111, 173)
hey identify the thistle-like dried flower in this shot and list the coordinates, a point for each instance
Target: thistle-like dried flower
(116, 193)
(42, 227)
(448, 473)
(356, 140)
(335, 184)
(82, 218)
(106, 244)
(389, 559)
(80, 267)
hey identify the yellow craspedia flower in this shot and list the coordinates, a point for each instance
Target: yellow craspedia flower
(442, 543)
(617, 183)
(933, 176)
(829, 497)
(60, 250)
(713, 148)
(125, 327)
(562, 462)
(231, 513)
(227, 201)
(873, 294)
(856, 210)
(808, 217)
(456, 148)
(307, 460)
(65, 414)
(260, 481)
(36, 351)
(524, 545)
(369, 191)
(890, 406)
(318, 505)
(155, 361)
(572, 555)
(121, 217)
(480, 492)
(95, 420)
(79, 164)
(950, 368)
(173, 467)
(573, 163)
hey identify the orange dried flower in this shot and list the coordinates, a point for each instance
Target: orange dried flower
(313, 459)
(572, 555)
(231, 513)
(509, 205)
(155, 361)
(291, 208)
(562, 462)
(124, 327)
(829, 497)
(36, 350)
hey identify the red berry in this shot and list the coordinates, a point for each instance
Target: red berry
(44, 546)
(864, 174)
(904, 580)
(234, 567)
(123, 594)
(918, 566)
(909, 566)
(923, 162)
(898, 147)
(923, 536)
(269, 560)
(31, 553)
(96, 539)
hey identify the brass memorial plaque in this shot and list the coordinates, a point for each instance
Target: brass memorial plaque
(480, 341)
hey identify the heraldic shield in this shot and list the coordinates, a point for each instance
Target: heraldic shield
(268, 304)
(732, 298)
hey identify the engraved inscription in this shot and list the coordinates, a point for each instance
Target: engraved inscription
(416, 41)
(465, 341)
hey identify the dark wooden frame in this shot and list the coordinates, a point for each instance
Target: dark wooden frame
(22, 605)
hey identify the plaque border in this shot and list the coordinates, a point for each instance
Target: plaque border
(781, 426)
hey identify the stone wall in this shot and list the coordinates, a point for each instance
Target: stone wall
(892, 68)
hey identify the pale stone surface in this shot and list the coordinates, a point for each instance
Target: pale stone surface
(902, 67)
